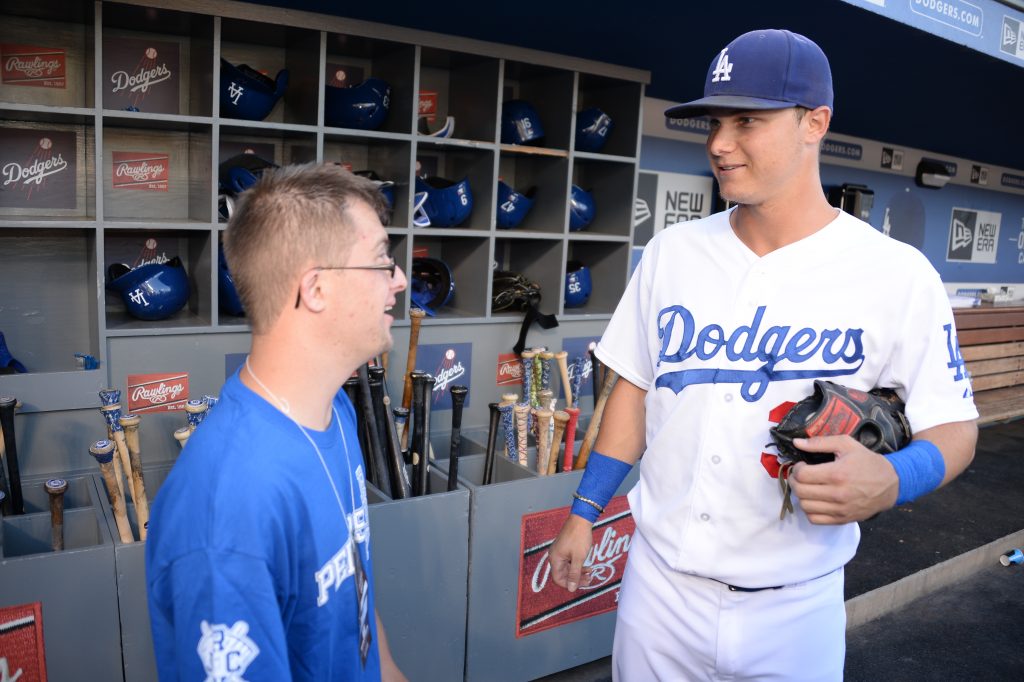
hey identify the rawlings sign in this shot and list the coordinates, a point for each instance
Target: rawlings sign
(22, 656)
(40, 67)
(541, 603)
(509, 370)
(157, 392)
(141, 170)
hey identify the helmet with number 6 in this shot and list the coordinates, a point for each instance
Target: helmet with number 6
(520, 123)
(448, 203)
(577, 284)
(151, 292)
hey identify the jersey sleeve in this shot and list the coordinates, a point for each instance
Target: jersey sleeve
(624, 346)
(927, 363)
(216, 615)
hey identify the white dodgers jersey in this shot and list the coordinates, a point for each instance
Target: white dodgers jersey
(721, 338)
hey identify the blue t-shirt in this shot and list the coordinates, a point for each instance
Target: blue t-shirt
(249, 565)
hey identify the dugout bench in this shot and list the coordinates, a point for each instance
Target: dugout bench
(991, 340)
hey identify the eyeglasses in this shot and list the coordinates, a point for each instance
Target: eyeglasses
(386, 267)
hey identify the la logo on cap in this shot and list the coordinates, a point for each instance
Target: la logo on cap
(723, 68)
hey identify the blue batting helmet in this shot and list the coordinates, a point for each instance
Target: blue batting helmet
(512, 205)
(385, 187)
(581, 209)
(228, 295)
(363, 106)
(448, 203)
(577, 284)
(520, 123)
(246, 93)
(592, 129)
(151, 292)
(432, 284)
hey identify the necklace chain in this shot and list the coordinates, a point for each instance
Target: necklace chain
(285, 406)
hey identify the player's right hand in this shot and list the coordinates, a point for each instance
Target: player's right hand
(569, 551)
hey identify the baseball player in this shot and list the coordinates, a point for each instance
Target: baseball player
(724, 322)
(258, 560)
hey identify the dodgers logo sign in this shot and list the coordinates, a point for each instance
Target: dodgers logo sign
(451, 365)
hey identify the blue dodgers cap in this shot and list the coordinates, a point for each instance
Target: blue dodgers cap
(765, 69)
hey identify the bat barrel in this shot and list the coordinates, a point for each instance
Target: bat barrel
(492, 442)
(400, 488)
(379, 470)
(417, 445)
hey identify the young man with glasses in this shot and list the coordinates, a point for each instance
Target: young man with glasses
(258, 559)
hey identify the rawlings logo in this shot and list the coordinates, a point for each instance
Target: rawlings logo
(158, 394)
(140, 81)
(600, 560)
(34, 172)
(141, 172)
(36, 67)
(841, 350)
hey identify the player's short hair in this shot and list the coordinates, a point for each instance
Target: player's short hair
(293, 215)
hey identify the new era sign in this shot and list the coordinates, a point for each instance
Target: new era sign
(973, 236)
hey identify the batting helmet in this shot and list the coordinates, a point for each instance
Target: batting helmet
(512, 205)
(577, 284)
(363, 106)
(592, 129)
(246, 93)
(432, 284)
(8, 363)
(447, 130)
(229, 300)
(520, 123)
(240, 172)
(581, 209)
(448, 203)
(151, 292)
(385, 187)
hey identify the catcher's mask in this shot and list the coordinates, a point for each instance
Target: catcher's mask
(432, 284)
(363, 106)
(248, 94)
(151, 292)
(520, 123)
(592, 129)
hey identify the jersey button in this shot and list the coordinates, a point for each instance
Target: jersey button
(727, 397)
(716, 459)
(705, 517)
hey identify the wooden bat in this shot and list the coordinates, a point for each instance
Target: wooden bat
(109, 396)
(595, 421)
(561, 418)
(55, 488)
(416, 443)
(115, 433)
(380, 477)
(570, 437)
(377, 391)
(522, 413)
(544, 416)
(7, 404)
(415, 320)
(458, 400)
(103, 451)
(596, 372)
(396, 462)
(505, 407)
(130, 424)
(545, 368)
(112, 396)
(492, 441)
(181, 435)
(529, 388)
(562, 358)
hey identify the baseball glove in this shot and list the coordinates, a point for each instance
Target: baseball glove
(875, 419)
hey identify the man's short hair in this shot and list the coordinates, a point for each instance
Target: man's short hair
(293, 215)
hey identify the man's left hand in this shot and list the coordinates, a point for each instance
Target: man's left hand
(856, 486)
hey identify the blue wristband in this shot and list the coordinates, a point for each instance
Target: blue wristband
(601, 479)
(920, 468)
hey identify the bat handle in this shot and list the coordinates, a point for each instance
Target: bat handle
(130, 424)
(570, 437)
(492, 442)
(543, 440)
(561, 418)
(396, 463)
(379, 477)
(7, 405)
(595, 421)
(562, 359)
(522, 413)
(55, 488)
(416, 316)
(419, 456)
(103, 451)
(458, 400)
